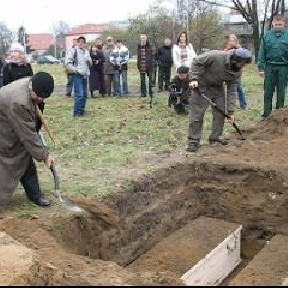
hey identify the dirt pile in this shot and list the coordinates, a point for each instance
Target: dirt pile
(273, 127)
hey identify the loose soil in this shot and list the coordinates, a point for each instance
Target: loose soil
(245, 182)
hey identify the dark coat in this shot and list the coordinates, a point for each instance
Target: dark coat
(181, 85)
(213, 70)
(150, 59)
(108, 66)
(98, 56)
(96, 78)
(13, 71)
(19, 138)
(165, 57)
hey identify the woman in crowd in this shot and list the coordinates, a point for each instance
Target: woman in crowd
(232, 44)
(183, 52)
(17, 66)
(96, 78)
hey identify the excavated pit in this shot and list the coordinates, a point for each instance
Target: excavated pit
(133, 222)
(243, 185)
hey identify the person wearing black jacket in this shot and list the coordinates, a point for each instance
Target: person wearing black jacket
(145, 65)
(165, 62)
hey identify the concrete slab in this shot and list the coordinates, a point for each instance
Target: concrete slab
(16, 261)
(185, 248)
(268, 268)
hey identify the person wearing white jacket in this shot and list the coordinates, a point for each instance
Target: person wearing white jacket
(183, 52)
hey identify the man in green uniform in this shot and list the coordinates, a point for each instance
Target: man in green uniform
(209, 72)
(273, 64)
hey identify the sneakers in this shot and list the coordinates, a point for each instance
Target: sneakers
(193, 147)
(219, 140)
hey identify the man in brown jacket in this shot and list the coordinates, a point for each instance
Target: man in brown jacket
(20, 142)
(209, 73)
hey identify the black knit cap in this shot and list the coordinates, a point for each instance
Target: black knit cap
(182, 70)
(42, 84)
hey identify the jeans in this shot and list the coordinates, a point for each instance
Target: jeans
(241, 96)
(1, 81)
(80, 94)
(121, 87)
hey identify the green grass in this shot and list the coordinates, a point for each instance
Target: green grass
(104, 150)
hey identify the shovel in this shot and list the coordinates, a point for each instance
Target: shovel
(202, 94)
(68, 204)
(98, 210)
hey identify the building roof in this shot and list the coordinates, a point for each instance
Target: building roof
(89, 29)
(40, 42)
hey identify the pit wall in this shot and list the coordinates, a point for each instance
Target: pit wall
(166, 200)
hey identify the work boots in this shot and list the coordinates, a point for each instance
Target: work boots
(41, 200)
(219, 140)
(193, 147)
(31, 186)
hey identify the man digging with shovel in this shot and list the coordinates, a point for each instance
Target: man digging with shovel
(210, 72)
(20, 143)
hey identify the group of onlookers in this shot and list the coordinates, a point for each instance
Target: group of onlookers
(206, 75)
(102, 68)
(108, 71)
(164, 58)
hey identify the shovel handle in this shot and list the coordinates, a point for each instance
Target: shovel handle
(55, 176)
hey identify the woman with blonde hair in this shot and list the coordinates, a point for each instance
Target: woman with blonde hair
(232, 44)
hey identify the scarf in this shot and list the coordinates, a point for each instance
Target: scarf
(183, 54)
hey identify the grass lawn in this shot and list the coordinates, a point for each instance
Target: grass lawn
(99, 152)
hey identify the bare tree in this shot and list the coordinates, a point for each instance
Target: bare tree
(23, 39)
(249, 9)
(205, 28)
(6, 37)
(59, 30)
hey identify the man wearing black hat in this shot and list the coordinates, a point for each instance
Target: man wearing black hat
(179, 90)
(209, 72)
(20, 142)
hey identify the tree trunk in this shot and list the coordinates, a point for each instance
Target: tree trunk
(255, 26)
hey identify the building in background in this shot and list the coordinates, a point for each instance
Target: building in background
(40, 43)
(90, 31)
(44, 43)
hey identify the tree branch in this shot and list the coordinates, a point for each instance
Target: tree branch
(217, 4)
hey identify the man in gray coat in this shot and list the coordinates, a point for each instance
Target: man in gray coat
(209, 72)
(108, 67)
(20, 142)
